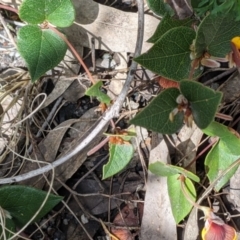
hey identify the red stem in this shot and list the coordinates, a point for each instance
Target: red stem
(74, 52)
(201, 153)
(9, 8)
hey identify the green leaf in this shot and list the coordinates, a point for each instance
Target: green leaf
(227, 135)
(215, 33)
(23, 202)
(203, 100)
(166, 170)
(167, 23)
(170, 55)
(120, 156)
(41, 49)
(60, 13)
(180, 205)
(156, 115)
(157, 6)
(218, 160)
(223, 154)
(10, 225)
(94, 91)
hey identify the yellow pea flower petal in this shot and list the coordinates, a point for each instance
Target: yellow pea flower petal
(236, 42)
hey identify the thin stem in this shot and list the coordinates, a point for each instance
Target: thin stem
(73, 51)
(185, 193)
(8, 8)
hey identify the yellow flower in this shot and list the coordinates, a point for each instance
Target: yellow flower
(236, 42)
(215, 228)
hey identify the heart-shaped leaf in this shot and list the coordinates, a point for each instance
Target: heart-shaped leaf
(158, 7)
(41, 49)
(203, 100)
(156, 115)
(60, 13)
(163, 169)
(120, 156)
(23, 202)
(215, 33)
(218, 160)
(223, 154)
(94, 91)
(167, 23)
(227, 135)
(180, 205)
(170, 55)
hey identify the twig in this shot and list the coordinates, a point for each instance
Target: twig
(46, 123)
(220, 76)
(103, 121)
(7, 30)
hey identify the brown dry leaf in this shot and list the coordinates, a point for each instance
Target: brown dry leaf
(72, 90)
(76, 90)
(12, 3)
(234, 189)
(230, 88)
(116, 84)
(49, 147)
(187, 142)
(127, 218)
(113, 29)
(158, 221)
(78, 132)
(47, 151)
(191, 229)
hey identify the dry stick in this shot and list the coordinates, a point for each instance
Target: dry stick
(218, 77)
(103, 121)
(7, 31)
(46, 122)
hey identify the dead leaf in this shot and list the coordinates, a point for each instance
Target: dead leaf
(158, 221)
(46, 151)
(113, 29)
(230, 88)
(49, 147)
(99, 204)
(127, 218)
(187, 142)
(234, 189)
(71, 90)
(116, 84)
(76, 90)
(182, 9)
(191, 229)
(78, 132)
